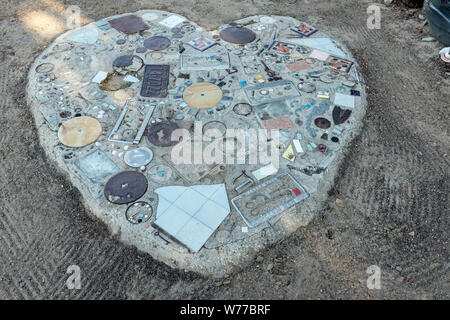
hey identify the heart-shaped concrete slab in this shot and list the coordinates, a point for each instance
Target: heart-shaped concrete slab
(263, 107)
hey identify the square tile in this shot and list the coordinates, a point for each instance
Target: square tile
(344, 100)
(171, 193)
(172, 220)
(190, 201)
(206, 190)
(319, 55)
(211, 214)
(194, 235)
(221, 197)
(163, 205)
(298, 66)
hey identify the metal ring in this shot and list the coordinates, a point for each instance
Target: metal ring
(214, 121)
(243, 104)
(47, 67)
(135, 203)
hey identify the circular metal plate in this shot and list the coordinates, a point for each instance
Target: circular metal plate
(322, 123)
(237, 35)
(160, 133)
(157, 43)
(139, 157)
(202, 95)
(79, 132)
(125, 187)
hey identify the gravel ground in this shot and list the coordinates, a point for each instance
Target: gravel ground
(394, 183)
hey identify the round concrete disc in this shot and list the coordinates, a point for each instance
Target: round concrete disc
(79, 132)
(202, 95)
(157, 43)
(138, 157)
(125, 187)
(237, 35)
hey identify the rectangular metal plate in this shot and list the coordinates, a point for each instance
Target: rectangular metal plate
(268, 199)
(132, 109)
(281, 90)
(155, 81)
(204, 61)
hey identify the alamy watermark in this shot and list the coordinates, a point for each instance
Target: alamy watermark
(74, 280)
(374, 280)
(230, 146)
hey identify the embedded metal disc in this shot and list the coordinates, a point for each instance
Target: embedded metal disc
(322, 123)
(139, 157)
(125, 187)
(157, 43)
(160, 133)
(237, 35)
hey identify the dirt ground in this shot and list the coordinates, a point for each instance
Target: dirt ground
(394, 183)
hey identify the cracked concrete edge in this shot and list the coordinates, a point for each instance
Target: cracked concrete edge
(228, 258)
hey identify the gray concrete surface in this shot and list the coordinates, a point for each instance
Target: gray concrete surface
(227, 248)
(394, 182)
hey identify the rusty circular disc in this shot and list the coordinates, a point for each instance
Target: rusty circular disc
(322, 123)
(237, 35)
(125, 187)
(79, 132)
(160, 133)
(202, 95)
(157, 43)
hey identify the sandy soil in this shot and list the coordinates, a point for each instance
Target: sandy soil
(394, 183)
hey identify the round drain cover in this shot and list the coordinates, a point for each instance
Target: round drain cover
(139, 157)
(237, 35)
(79, 132)
(125, 187)
(202, 95)
(157, 43)
(160, 133)
(322, 123)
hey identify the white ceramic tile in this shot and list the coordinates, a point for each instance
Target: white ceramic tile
(172, 220)
(211, 214)
(206, 190)
(194, 235)
(221, 197)
(190, 201)
(163, 204)
(344, 100)
(171, 193)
